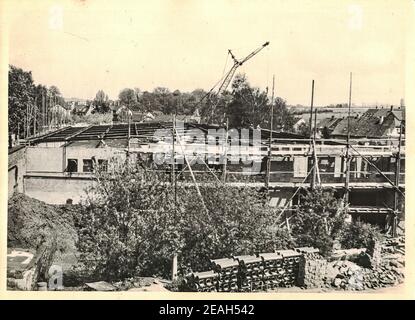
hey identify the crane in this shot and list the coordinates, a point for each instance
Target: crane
(229, 75)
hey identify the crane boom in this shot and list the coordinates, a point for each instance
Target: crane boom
(229, 76)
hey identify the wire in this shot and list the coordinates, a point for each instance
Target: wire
(226, 64)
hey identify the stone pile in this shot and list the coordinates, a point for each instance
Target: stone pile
(312, 268)
(345, 275)
(394, 245)
(384, 276)
(349, 276)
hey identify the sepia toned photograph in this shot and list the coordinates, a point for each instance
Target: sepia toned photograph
(206, 146)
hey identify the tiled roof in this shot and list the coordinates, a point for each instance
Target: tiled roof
(328, 122)
(374, 123)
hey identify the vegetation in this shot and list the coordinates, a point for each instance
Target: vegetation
(101, 102)
(244, 105)
(24, 96)
(360, 235)
(95, 118)
(130, 224)
(319, 220)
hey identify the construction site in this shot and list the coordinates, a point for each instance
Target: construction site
(58, 165)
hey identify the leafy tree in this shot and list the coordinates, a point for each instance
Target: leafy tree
(127, 226)
(359, 235)
(319, 220)
(147, 101)
(55, 96)
(20, 97)
(128, 98)
(238, 222)
(283, 118)
(101, 102)
(41, 94)
(54, 91)
(131, 225)
(164, 100)
(303, 129)
(251, 107)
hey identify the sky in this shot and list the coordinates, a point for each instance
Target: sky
(85, 46)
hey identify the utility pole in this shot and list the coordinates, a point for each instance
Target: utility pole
(347, 182)
(270, 136)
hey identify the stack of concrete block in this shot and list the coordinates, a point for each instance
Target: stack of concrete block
(312, 268)
(273, 274)
(282, 268)
(290, 265)
(206, 281)
(228, 270)
(250, 275)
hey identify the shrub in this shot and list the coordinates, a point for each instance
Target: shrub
(319, 220)
(239, 222)
(130, 226)
(359, 235)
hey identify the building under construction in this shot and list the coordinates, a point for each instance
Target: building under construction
(369, 174)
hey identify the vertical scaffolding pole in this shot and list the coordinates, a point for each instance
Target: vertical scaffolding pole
(347, 182)
(267, 178)
(397, 180)
(173, 169)
(225, 164)
(311, 108)
(128, 134)
(312, 137)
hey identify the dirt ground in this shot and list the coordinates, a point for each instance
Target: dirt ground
(31, 222)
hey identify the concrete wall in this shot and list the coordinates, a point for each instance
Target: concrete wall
(56, 190)
(16, 171)
(44, 159)
(83, 153)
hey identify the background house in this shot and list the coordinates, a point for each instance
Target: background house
(374, 123)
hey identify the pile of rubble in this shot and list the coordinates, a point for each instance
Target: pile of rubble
(384, 267)
(345, 275)
(394, 245)
(384, 276)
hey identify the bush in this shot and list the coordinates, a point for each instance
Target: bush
(239, 222)
(360, 235)
(319, 220)
(129, 225)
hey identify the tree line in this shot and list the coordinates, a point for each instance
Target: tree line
(29, 104)
(242, 105)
